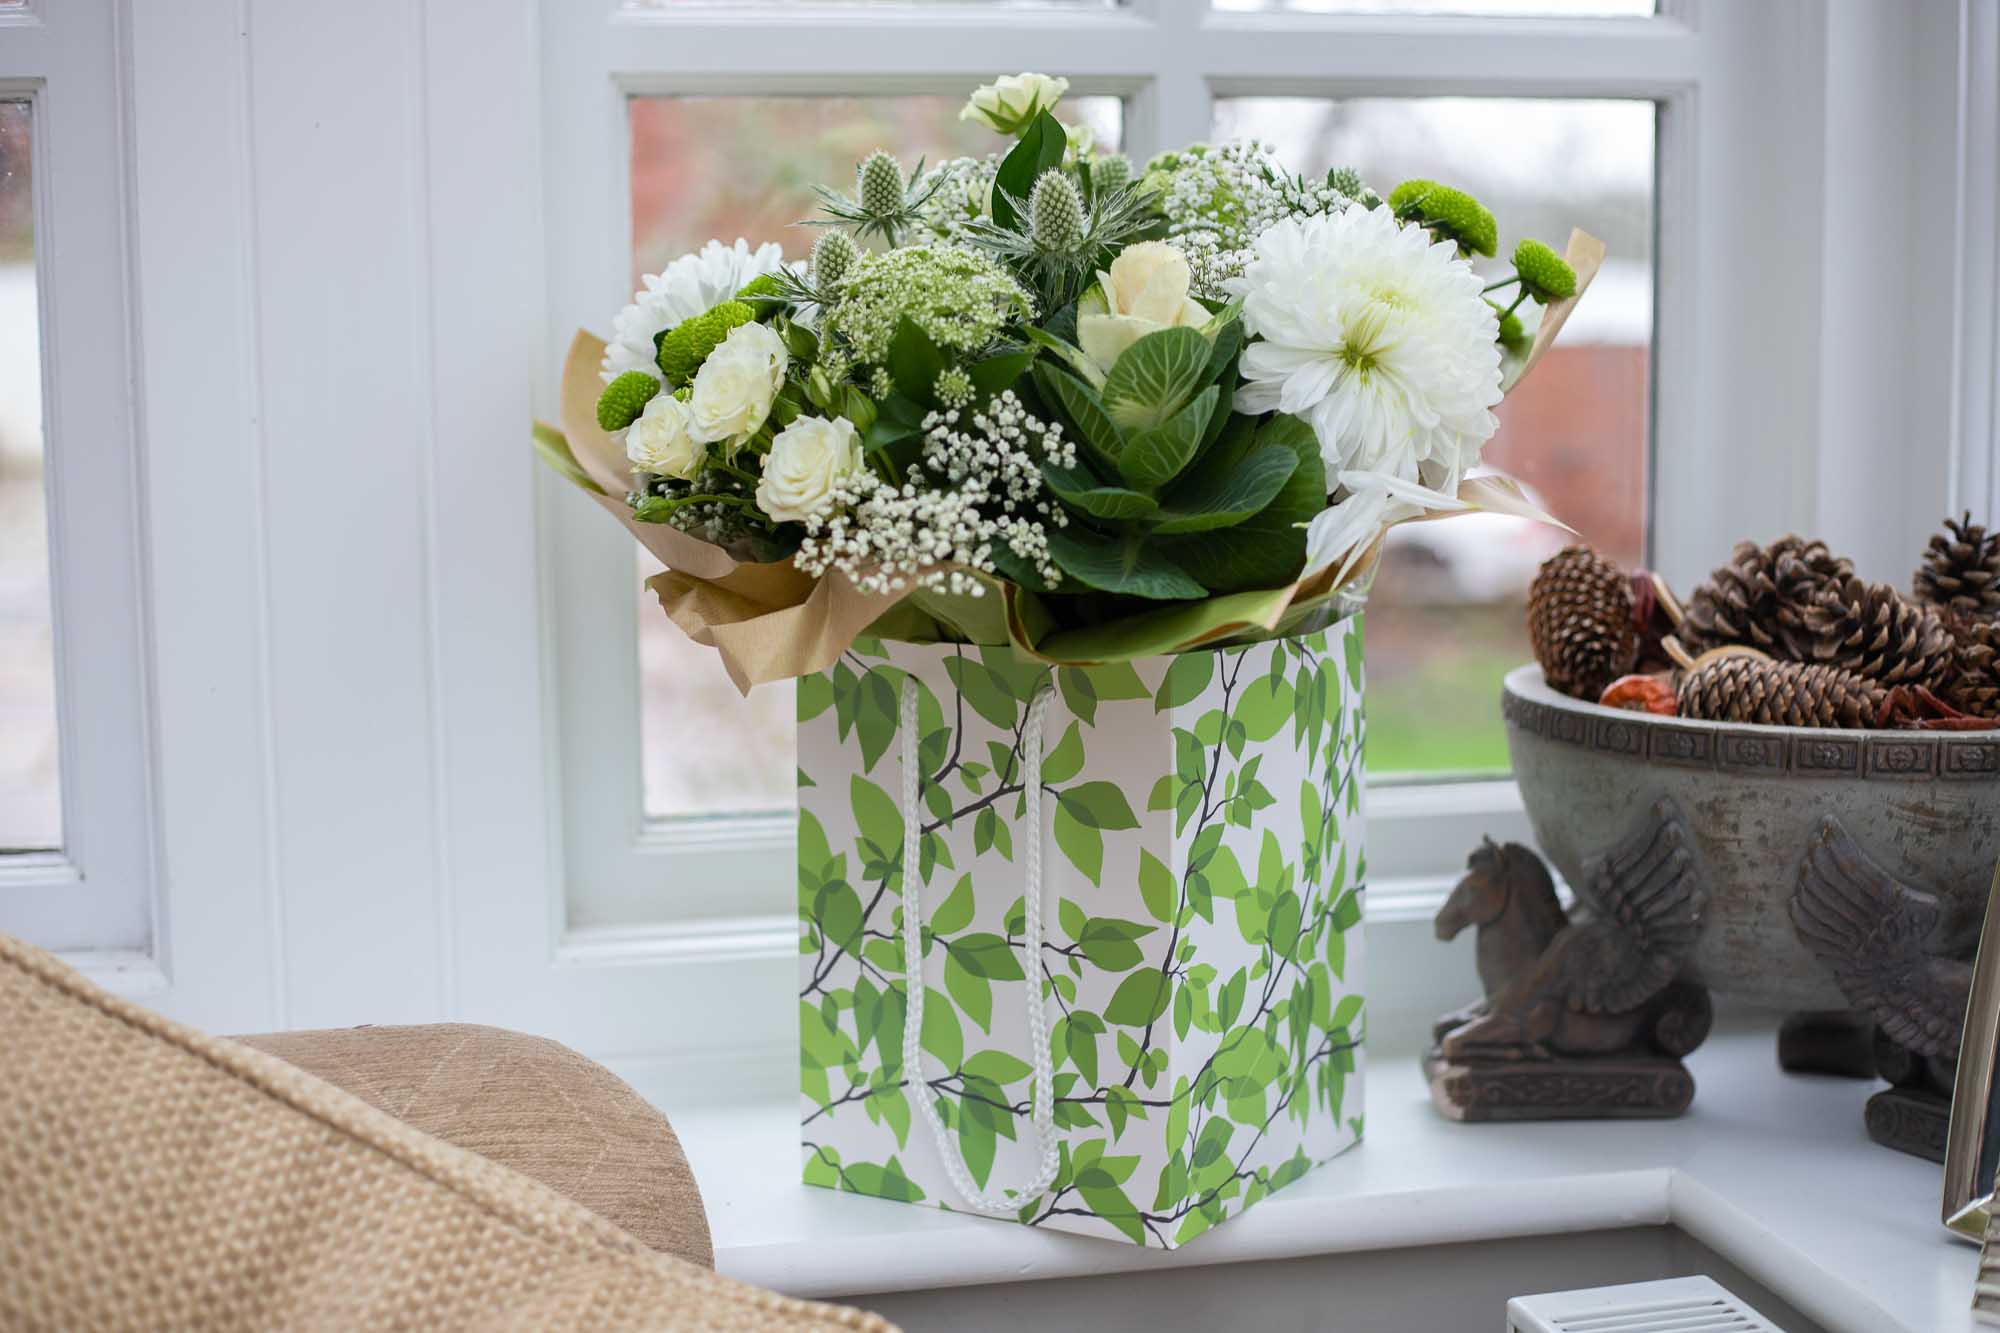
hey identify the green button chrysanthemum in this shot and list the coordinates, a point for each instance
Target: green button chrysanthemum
(624, 399)
(688, 343)
(1453, 213)
(1513, 335)
(763, 294)
(1543, 273)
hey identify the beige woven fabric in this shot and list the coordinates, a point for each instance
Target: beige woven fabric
(525, 1102)
(152, 1177)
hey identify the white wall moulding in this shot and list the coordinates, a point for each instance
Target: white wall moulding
(1975, 401)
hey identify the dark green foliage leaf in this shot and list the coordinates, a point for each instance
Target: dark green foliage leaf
(1139, 999)
(1040, 149)
(1268, 549)
(1154, 457)
(1090, 423)
(998, 373)
(897, 420)
(1155, 377)
(1204, 500)
(914, 363)
(1080, 490)
(1061, 343)
(1124, 565)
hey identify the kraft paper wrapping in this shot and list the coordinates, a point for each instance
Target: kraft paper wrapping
(771, 622)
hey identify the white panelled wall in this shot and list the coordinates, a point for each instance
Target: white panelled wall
(345, 230)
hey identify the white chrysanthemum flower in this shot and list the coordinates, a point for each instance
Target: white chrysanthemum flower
(1380, 339)
(691, 284)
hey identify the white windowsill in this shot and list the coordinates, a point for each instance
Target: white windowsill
(1772, 1171)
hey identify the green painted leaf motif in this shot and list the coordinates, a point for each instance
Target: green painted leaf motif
(1079, 695)
(1154, 457)
(1186, 678)
(813, 849)
(1283, 930)
(1156, 886)
(1099, 805)
(1071, 917)
(985, 955)
(941, 1036)
(955, 912)
(987, 693)
(1231, 1003)
(1140, 999)
(1081, 843)
(1116, 680)
(1347, 912)
(1346, 1011)
(1183, 1011)
(885, 1182)
(821, 1045)
(1114, 1207)
(973, 993)
(1065, 761)
(1112, 944)
(875, 717)
(815, 695)
(837, 910)
(880, 822)
(1119, 564)
(822, 1167)
(1203, 500)
(1154, 377)
(1264, 708)
(997, 1067)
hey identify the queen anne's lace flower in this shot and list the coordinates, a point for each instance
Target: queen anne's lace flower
(1218, 199)
(1380, 339)
(960, 298)
(683, 289)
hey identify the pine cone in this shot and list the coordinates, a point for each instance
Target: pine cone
(1581, 623)
(1961, 570)
(1974, 684)
(1873, 631)
(1787, 694)
(1759, 598)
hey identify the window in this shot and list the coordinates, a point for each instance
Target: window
(30, 786)
(1446, 615)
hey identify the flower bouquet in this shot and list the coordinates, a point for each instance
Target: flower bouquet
(1043, 433)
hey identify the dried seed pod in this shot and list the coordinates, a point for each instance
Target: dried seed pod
(1580, 621)
(1641, 694)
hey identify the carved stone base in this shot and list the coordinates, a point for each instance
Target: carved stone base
(1840, 1042)
(1614, 1088)
(1911, 1120)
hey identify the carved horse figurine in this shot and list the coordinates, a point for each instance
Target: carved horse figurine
(1508, 895)
(1598, 986)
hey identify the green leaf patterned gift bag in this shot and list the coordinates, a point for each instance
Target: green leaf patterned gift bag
(1133, 894)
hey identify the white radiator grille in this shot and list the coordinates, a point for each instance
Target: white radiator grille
(1677, 1305)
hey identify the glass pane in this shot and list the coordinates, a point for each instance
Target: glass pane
(864, 4)
(1446, 617)
(1482, 8)
(723, 167)
(30, 792)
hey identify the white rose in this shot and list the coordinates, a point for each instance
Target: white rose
(735, 385)
(807, 460)
(660, 442)
(1145, 291)
(1011, 103)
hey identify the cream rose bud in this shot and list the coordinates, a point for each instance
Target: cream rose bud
(1145, 291)
(734, 388)
(660, 442)
(1011, 103)
(807, 460)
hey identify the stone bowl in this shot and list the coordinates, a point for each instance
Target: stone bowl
(1924, 806)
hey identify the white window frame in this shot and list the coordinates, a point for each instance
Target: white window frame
(97, 897)
(1742, 388)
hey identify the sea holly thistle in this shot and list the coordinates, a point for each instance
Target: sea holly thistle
(885, 203)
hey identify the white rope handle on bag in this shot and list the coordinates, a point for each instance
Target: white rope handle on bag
(1043, 1100)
